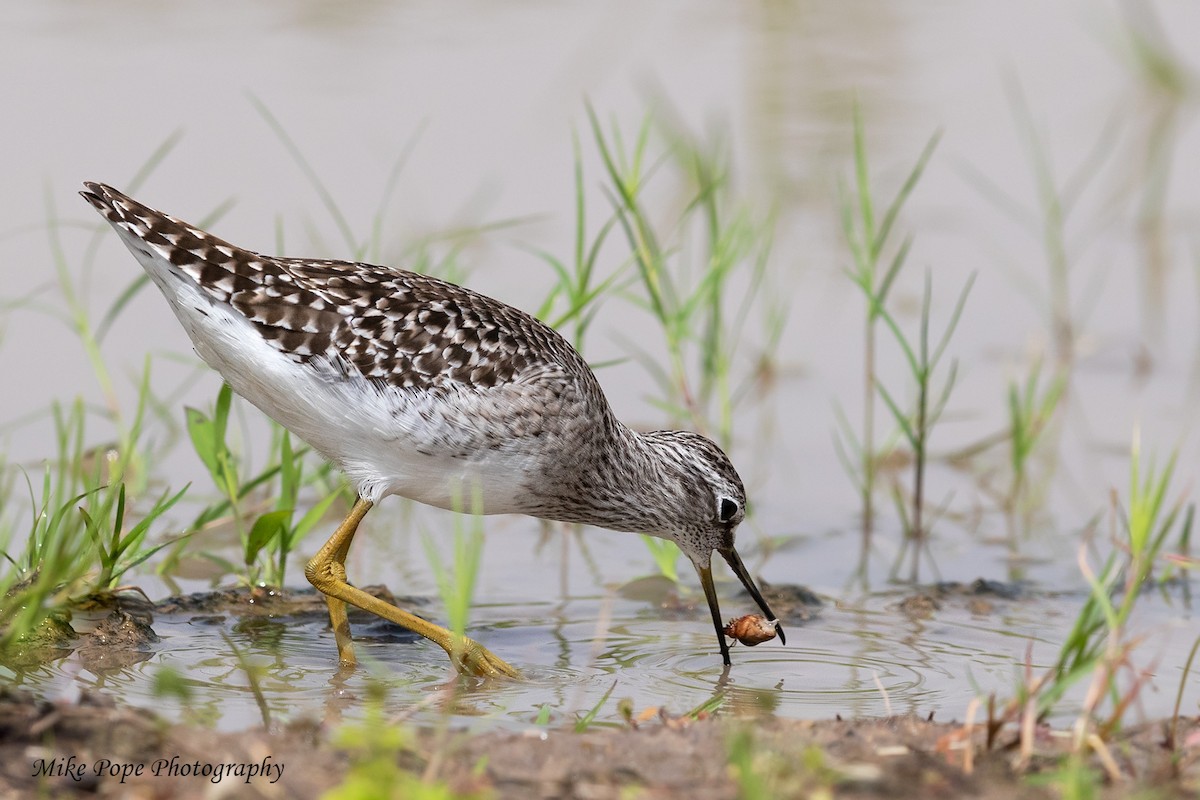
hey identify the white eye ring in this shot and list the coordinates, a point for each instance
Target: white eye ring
(727, 509)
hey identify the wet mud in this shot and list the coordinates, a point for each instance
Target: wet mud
(93, 748)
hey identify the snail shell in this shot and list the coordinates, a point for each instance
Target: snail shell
(751, 629)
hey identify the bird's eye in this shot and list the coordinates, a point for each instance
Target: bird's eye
(728, 510)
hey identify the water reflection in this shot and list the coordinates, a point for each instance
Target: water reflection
(811, 61)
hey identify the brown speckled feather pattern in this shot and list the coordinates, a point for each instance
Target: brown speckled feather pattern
(410, 383)
(409, 330)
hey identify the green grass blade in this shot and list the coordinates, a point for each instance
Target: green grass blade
(314, 180)
(910, 183)
(586, 721)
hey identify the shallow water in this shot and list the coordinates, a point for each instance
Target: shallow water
(858, 655)
(497, 90)
(857, 658)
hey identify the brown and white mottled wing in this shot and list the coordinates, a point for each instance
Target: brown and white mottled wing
(408, 330)
(416, 332)
(457, 377)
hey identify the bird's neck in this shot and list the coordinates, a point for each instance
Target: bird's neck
(618, 482)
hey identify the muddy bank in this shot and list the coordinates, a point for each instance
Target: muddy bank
(111, 631)
(58, 750)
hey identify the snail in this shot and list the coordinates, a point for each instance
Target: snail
(751, 629)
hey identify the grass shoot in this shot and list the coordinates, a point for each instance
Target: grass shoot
(917, 425)
(456, 582)
(869, 241)
(1030, 410)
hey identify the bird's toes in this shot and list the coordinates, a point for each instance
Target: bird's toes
(475, 659)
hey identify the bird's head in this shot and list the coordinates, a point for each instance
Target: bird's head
(709, 502)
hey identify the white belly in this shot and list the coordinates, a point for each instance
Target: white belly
(381, 439)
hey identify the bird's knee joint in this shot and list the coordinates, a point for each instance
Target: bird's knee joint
(312, 571)
(323, 573)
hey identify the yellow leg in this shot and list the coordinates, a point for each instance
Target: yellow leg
(327, 572)
(337, 568)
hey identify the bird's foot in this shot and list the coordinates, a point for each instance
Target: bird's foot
(472, 658)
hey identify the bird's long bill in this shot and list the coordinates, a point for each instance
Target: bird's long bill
(710, 594)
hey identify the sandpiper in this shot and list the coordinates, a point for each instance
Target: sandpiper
(418, 387)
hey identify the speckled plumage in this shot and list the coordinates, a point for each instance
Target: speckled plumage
(422, 388)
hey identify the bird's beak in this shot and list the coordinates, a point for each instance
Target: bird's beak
(710, 594)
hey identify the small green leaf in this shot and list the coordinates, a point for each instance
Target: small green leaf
(266, 529)
(200, 430)
(221, 414)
